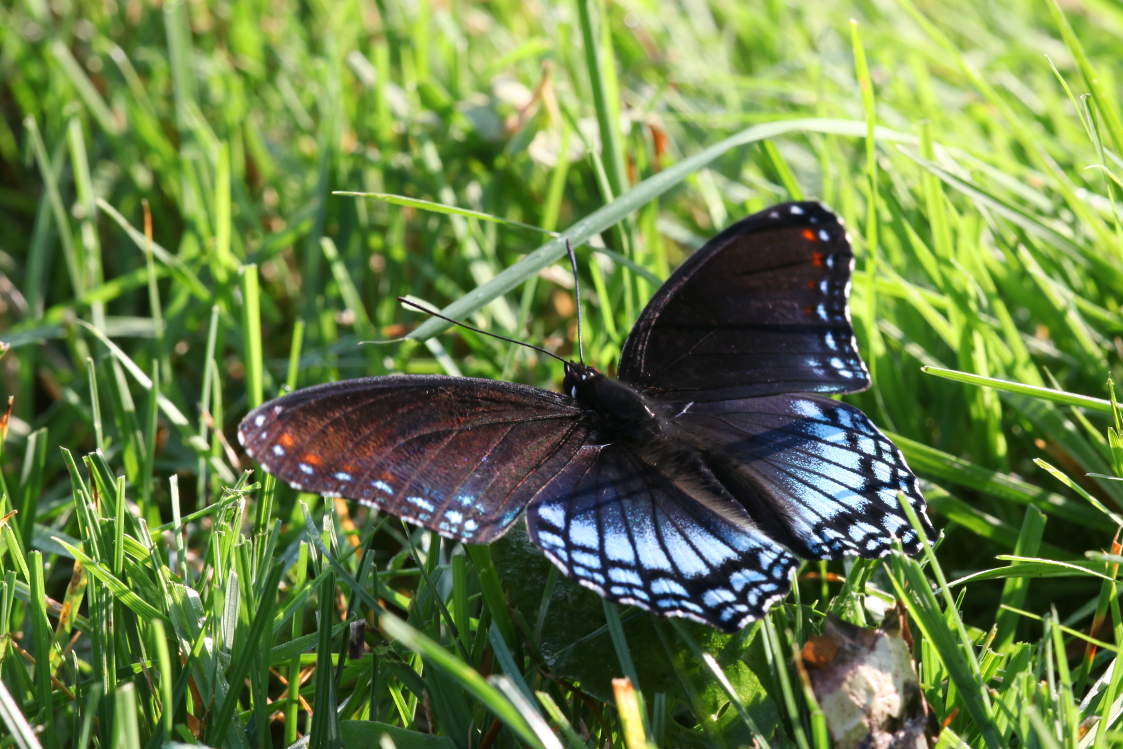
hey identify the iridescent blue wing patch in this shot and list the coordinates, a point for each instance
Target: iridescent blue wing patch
(760, 309)
(814, 473)
(456, 455)
(657, 538)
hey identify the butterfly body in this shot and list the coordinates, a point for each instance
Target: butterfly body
(688, 485)
(615, 410)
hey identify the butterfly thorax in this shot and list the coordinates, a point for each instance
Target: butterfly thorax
(619, 411)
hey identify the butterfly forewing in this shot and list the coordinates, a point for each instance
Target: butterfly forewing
(760, 309)
(815, 473)
(456, 455)
(641, 534)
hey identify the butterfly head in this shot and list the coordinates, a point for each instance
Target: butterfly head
(580, 380)
(617, 409)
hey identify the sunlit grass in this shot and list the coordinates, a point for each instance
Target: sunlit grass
(151, 590)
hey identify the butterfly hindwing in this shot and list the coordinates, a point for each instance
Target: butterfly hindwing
(760, 309)
(815, 473)
(639, 534)
(456, 455)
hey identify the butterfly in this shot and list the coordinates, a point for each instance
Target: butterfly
(690, 485)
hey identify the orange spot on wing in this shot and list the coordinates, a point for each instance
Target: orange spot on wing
(312, 459)
(810, 235)
(817, 259)
(286, 440)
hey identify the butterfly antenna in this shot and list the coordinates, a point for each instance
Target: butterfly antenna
(577, 295)
(474, 329)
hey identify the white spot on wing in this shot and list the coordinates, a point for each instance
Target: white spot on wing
(621, 575)
(587, 559)
(552, 513)
(421, 502)
(550, 539)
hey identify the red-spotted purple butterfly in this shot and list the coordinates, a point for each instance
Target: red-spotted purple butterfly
(689, 485)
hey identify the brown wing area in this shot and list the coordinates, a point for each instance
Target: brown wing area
(456, 455)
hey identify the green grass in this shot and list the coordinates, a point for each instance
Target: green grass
(154, 590)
